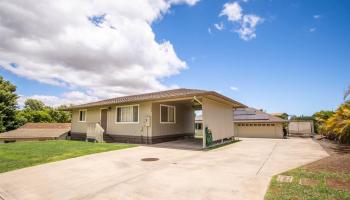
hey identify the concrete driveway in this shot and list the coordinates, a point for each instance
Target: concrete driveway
(238, 171)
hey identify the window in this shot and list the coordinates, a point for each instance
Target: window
(127, 114)
(167, 114)
(82, 115)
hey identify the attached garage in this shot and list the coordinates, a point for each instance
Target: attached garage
(254, 123)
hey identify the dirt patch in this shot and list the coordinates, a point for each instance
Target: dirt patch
(333, 163)
(308, 182)
(338, 184)
(338, 161)
(332, 147)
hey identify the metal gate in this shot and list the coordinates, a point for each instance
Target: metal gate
(301, 128)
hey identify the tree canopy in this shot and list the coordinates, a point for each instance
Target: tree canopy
(34, 110)
(34, 105)
(8, 105)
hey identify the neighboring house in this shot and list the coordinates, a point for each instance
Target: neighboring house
(155, 117)
(37, 132)
(250, 122)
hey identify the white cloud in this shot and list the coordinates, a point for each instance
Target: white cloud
(219, 26)
(247, 29)
(317, 16)
(246, 22)
(233, 11)
(103, 48)
(209, 31)
(234, 88)
(312, 29)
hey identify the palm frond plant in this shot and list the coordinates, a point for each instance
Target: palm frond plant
(339, 123)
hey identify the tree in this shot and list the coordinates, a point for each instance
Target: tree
(282, 115)
(34, 105)
(8, 105)
(36, 111)
(321, 118)
(339, 123)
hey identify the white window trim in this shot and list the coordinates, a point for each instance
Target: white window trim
(85, 115)
(160, 114)
(138, 114)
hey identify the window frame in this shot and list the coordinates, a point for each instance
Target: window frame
(123, 106)
(85, 115)
(160, 114)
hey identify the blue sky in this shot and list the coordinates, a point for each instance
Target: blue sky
(299, 61)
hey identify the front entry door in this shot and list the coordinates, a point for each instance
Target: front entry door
(104, 119)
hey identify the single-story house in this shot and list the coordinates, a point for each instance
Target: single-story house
(250, 122)
(155, 117)
(37, 132)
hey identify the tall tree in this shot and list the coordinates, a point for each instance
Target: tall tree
(8, 105)
(34, 105)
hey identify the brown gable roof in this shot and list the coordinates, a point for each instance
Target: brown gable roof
(38, 131)
(168, 94)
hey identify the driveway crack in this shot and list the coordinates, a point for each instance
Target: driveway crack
(268, 158)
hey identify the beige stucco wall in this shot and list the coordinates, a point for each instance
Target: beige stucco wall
(184, 120)
(218, 118)
(275, 131)
(92, 115)
(133, 129)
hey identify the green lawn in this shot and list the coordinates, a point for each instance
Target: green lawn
(24, 154)
(318, 187)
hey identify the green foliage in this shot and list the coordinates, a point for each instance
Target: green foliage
(339, 123)
(8, 105)
(303, 117)
(208, 137)
(282, 115)
(335, 125)
(320, 119)
(36, 111)
(24, 154)
(34, 105)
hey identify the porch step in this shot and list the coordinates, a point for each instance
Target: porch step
(108, 139)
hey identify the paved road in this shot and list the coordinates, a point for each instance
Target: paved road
(238, 171)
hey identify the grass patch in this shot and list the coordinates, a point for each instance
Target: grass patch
(24, 154)
(320, 189)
